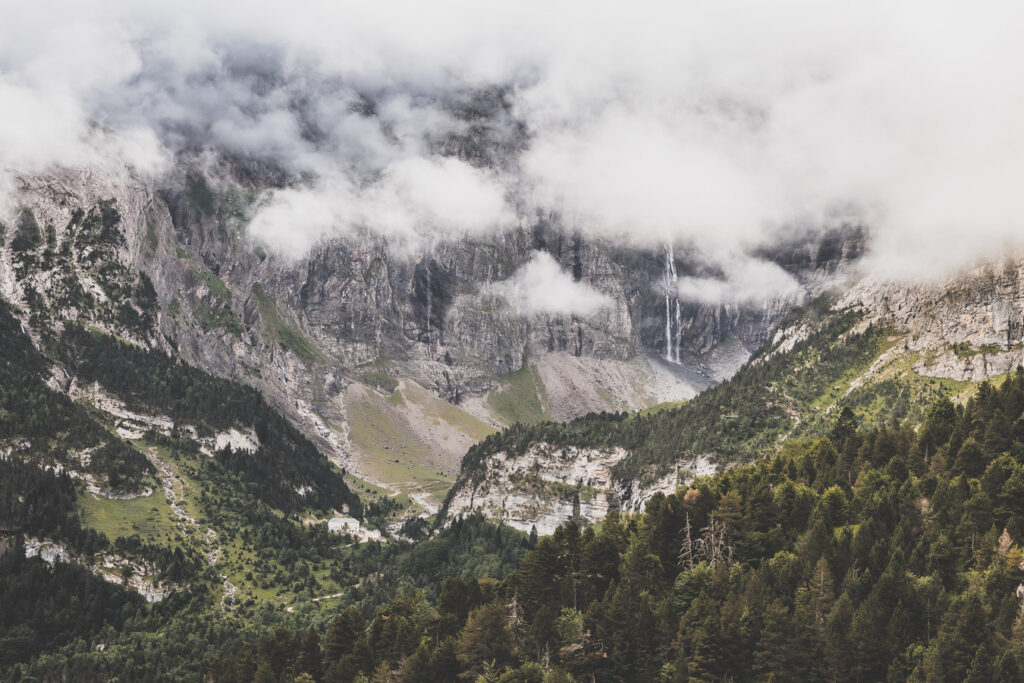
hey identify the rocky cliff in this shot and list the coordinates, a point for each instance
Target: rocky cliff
(886, 350)
(175, 269)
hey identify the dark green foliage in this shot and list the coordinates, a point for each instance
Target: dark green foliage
(872, 558)
(44, 607)
(152, 382)
(52, 423)
(40, 503)
(485, 640)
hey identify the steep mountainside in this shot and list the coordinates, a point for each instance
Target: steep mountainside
(143, 469)
(884, 350)
(356, 340)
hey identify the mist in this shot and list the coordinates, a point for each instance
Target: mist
(541, 286)
(722, 128)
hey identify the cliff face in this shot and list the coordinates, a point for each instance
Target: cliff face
(360, 312)
(932, 340)
(969, 328)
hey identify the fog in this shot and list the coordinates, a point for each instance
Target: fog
(721, 128)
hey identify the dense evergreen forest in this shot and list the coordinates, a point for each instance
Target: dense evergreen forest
(870, 554)
(883, 554)
(65, 623)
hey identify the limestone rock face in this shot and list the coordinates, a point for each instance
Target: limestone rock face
(968, 328)
(547, 486)
(362, 309)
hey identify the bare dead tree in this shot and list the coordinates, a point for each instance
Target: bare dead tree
(687, 549)
(713, 546)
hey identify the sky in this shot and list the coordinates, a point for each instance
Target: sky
(720, 127)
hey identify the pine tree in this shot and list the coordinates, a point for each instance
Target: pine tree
(774, 655)
(1007, 670)
(344, 631)
(485, 639)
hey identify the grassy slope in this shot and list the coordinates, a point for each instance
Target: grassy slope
(520, 398)
(392, 453)
(148, 516)
(444, 412)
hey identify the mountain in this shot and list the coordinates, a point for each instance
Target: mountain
(885, 350)
(183, 412)
(392, 362)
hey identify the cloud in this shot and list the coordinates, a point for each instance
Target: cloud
(541, 286)
(413, 201)
(745, 281)
(719, 127)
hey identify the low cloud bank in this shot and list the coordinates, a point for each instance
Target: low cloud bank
(543, 286)
(717, 127)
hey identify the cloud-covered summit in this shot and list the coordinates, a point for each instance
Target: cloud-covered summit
(720, 127)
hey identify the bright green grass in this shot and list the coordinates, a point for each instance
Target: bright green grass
(667, 405)
(149, 516)
(364, 489)
(520, 398)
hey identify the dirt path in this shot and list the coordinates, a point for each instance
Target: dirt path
(291, 608)
(189, 527)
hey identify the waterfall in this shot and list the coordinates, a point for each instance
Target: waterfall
(679, 329)
(430, 302)
(671, 288)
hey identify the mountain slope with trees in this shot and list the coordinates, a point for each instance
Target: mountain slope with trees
(868, 554)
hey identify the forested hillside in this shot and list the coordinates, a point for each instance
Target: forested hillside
(97, 517)
(737, 420)
(880, 554)
(824, 359)
(152, 382)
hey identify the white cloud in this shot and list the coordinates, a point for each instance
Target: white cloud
(414, 200)
(745, 281)
(541, 286)
(717, 126)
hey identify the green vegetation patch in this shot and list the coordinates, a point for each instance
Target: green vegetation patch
(213, 283)
(395, 455)
(379, 373)
(520, 398)
(148, 516)
(220, 318)
(282, 332)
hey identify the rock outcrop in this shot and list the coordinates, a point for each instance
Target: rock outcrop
(173, 268)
